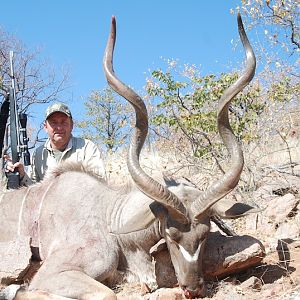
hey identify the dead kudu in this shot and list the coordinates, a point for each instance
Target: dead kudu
(87, 232)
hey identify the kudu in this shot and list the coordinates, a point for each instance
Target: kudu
(86, 232)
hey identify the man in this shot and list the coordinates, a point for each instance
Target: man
(60, 146)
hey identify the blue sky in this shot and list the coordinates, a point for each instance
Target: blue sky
(74, 34)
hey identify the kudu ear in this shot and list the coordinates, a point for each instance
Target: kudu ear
(142, 219)
(139, 221)
(230, 209)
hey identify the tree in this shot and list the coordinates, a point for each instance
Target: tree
(185, 101)
(188, 108)
(107, 120)
(189, 103)
(36, 82)
(277, 30)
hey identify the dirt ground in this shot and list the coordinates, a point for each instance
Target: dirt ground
(279, 277)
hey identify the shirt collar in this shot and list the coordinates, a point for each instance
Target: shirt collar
(69, 146)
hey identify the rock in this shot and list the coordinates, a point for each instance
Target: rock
(229, 255)
(167, 294)
(280, 219)
(272, 291)
(288, 230)
(229, 292)
(252, 283)
(279, 208)
(130, 291)
(14, 259)
(272, 186)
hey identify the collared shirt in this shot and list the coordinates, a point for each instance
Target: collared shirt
(78, 150)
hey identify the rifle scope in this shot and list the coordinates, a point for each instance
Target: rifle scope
(24, 139)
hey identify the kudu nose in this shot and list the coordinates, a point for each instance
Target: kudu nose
(191, 293)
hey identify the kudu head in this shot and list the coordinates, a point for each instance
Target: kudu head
(184, 213)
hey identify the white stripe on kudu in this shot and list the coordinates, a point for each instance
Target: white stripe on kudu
(187, 256)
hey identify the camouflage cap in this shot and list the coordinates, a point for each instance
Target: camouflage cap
(58, 107)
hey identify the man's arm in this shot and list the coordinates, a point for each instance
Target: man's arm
(26, 179)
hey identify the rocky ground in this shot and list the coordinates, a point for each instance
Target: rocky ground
(273, 279)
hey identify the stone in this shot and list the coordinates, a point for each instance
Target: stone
(167, 294)
(252, 283)
(279, 208)
(14, 259)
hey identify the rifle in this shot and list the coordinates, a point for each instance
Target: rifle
(4, 112)
(18, 123)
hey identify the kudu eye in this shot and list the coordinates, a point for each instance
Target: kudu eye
(174, 234)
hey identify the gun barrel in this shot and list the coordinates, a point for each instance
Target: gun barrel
(14, 119)
(18, 135)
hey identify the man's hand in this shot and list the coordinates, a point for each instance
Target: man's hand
(10, 167)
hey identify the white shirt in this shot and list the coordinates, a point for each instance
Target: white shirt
(78, 150)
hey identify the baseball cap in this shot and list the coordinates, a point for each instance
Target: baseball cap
(58, 107)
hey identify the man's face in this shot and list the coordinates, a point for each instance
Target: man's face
(59, 128)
